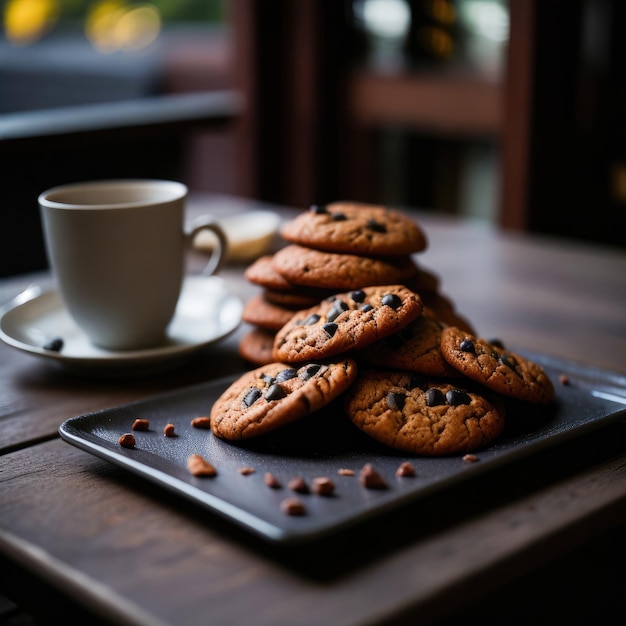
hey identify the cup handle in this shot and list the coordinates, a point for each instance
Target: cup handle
(218, 254)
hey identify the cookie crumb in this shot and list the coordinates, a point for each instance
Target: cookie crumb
(169, 430)
(141, 424)
(298, 484)
(201, 422)
(271, 480)
(292, 506)
(370, 478)
(246, 471)
(470, 458)
(564, 379)
(405, 469)
(199, 466)
(127, 440)
(323, 486)
(345, 472)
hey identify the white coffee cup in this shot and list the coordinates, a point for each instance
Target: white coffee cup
(117, 249)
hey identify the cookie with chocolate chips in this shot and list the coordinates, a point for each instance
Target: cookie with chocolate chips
(331, 270)
(273, 395)
(345, 322)
(416, 348)
(256, 346)
(409, 413)
(356, 228)
(494, 367)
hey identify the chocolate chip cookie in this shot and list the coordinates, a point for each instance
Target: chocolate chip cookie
(415, 348)
(409, 413)
(345, 322)
(356, 228)
(330, 270)
(498, 369)
(262, 273)
(259, 312)
(275, 394)
(257, 345)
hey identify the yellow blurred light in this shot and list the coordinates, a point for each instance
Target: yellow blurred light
(100, 24)
(25, 21)
(112, 26)
(137, 27)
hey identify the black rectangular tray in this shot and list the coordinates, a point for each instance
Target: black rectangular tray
(323, 443)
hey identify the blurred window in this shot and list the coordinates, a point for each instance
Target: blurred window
(56, 53)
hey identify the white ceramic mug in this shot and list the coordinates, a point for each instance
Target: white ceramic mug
(118, 251)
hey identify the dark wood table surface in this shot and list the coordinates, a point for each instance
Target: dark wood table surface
(538, 538)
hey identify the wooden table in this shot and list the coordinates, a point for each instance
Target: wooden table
(81, 537)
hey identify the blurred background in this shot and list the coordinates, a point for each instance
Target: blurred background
(497, 110)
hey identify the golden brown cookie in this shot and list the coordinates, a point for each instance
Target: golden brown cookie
(259, 312)
(415, 348)
(498, 369)
(426, 418)
(276, 394)
(256, 346)
(356, 228)
(345, 322)
(296, 299)
(261, 272)
(331, 270)
(440, 307)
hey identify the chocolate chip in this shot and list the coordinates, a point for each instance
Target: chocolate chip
(312, 319)
(330, 329)
(54, 345)
(275, 392)
(506, 360)
(251, 396)
(395, 401)
(338, 217)
(127, 440)
(405, 469)
(434, 397)
(336, 310)
(497, 343)
(309, 371)
(298, 484)
(323, 486)
(376, 226)
(370, 478)
(392, 300)
(318, 209)
(467, 345)
(292, 506)
(366, 307)
(358, 295)
(456, 397)
(286, 374)
(271, 481)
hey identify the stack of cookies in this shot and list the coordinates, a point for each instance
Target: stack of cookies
(335, 248)
(345, 311)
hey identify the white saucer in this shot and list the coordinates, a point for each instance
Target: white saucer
(207, 312)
